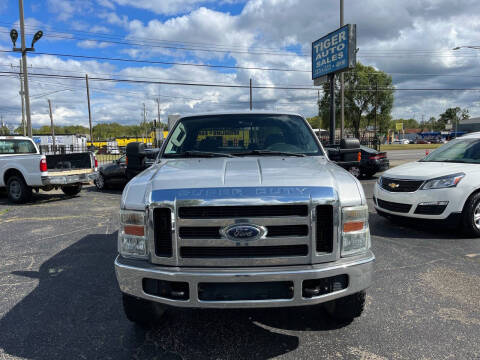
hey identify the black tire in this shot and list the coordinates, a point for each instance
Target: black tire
(142, 312)
(471, 216)
(18, 191)
(72, 190)
(346, 308)
(100, 182)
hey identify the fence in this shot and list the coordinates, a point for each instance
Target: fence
(104, 154)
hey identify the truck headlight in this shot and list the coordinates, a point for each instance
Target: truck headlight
(355, 230)
(131, 236)
(443, 182)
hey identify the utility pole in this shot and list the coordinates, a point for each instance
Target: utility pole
(89, 110)
(23, 50)
(251, 106)
(377, 147)
(25, 73)
(24, 125)
(332, 108)
(342, 86)
(158, 123)
(51, 125)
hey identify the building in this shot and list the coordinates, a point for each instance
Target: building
(63, 143)
(469, 125)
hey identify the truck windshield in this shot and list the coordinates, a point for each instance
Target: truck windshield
(457, 151)
(241, 135)
(17, 146)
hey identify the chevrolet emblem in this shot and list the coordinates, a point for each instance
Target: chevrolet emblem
(393, 185)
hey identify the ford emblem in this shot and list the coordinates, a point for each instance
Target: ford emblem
(243, 232)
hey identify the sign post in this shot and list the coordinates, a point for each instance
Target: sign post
(333, 53)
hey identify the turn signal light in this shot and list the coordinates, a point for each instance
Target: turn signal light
(359, 156)
(353, 226)
(134, 230)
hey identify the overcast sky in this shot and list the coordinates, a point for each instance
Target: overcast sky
(410, 39)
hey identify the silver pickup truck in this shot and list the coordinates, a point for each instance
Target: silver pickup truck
(243, 210)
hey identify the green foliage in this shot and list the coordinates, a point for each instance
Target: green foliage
(452, 116)
(4, 130)
(104, 131)
(361, 99)
(315, 122)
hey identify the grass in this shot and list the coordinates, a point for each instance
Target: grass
(3, 212)
(409, 147)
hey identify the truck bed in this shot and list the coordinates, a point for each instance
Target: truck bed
(70, 162)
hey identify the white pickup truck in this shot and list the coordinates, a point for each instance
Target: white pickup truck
(23, 168)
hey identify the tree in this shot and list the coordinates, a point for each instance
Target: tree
(366, 89)
(452, 116)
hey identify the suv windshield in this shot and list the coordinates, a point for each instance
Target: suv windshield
(241, 135)
(460, 150)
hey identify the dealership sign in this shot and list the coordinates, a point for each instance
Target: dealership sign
(334, 52)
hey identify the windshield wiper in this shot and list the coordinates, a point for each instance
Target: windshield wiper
(268, 152)
(192, 153)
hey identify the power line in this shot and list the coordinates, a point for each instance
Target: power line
(163, 62)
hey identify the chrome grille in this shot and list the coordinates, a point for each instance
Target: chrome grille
(289, 238)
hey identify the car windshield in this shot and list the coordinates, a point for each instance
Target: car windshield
(241, 135)
(459, 151)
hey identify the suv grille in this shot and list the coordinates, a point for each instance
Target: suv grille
(218, 212)
(396, 185)
(393, 206)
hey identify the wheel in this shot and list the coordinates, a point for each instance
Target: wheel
(471, 216)
(355, 171)
(346, 308)
(18, 191)
(72, 190)
(142, 312)
(100, 182)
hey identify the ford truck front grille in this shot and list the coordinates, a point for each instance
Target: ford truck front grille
(162, 218)
(220, 212)
(243, 251)
(213, 232)
(324, 233)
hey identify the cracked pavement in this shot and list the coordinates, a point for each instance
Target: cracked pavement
(59, 298)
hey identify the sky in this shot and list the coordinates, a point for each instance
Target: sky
(166, 41)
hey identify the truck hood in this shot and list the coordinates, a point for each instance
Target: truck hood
(242, 172)
(428, 170)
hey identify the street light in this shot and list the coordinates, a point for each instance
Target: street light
(23, 49)
(14, 36)
(38, 35)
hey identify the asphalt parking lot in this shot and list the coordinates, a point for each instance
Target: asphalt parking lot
(59, 297)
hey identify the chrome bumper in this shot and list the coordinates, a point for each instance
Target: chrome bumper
(69, 179)
(130, 275)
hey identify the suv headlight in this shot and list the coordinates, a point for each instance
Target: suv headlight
(443, 182)
(131, 236)
(355, 230)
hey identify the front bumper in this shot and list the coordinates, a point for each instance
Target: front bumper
(84, 178)
(359, 269)
(454, 196)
